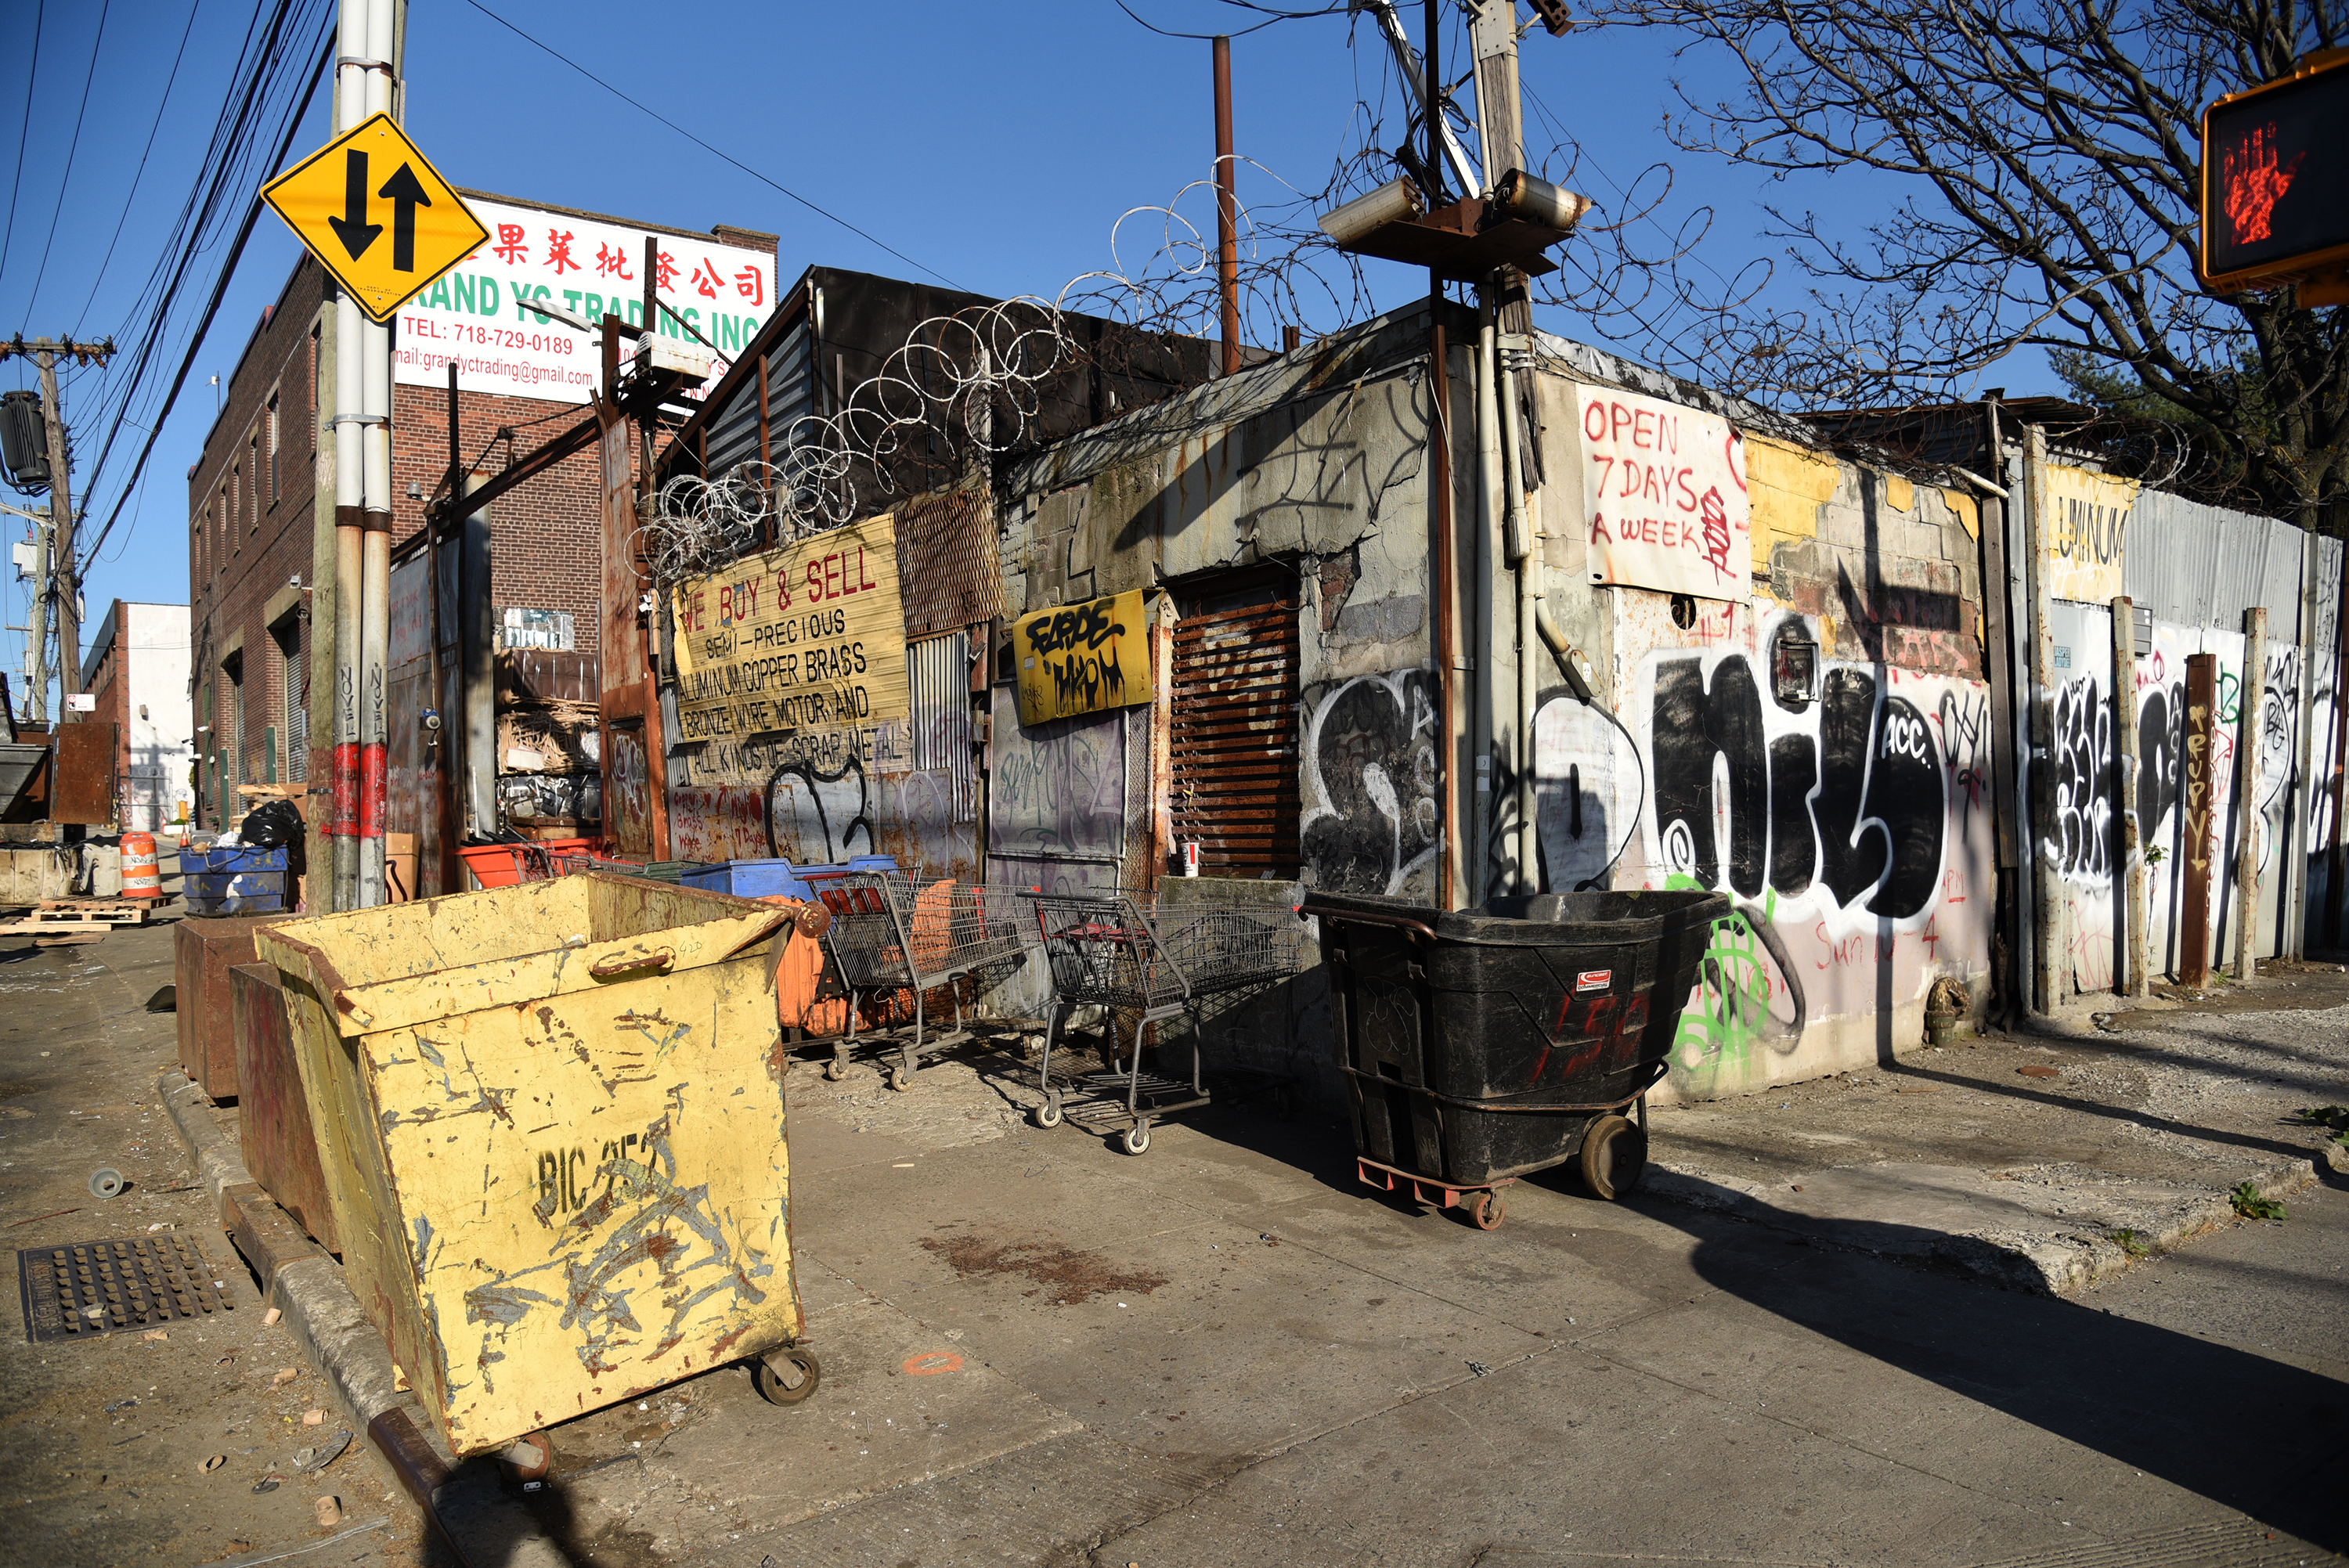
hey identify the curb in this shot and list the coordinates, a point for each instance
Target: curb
(465, 1503)
(2064, 1264)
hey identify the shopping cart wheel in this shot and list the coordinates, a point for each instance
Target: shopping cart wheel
(1614, 1153)
(1488, 1210)
(898, 1078)
(835, 1070)
(788, 1376)
(1047, 1115)
(1137, 1138)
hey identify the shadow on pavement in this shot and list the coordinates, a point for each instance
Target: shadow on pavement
(2241, 1430)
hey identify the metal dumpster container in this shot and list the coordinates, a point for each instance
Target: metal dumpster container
(551, 1120)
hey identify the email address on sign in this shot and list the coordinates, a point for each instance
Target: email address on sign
(512, 370)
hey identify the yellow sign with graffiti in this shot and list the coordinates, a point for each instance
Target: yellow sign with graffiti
(1082, 658)
(2083, 528)
(808, 637)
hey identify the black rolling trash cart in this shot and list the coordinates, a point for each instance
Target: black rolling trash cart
(1481, 1045)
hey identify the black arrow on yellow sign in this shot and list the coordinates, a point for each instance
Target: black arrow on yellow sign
(406, 193)
(403, 191)
(352, 228)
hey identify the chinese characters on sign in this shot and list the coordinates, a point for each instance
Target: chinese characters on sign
(795, 647)
(1082, 658)
(1663, 492)
(479, 314)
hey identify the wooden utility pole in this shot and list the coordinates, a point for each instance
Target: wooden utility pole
(60, 579)
(2247, 793)
(2194, 904)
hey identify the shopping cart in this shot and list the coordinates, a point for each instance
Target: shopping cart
(891, 933)
(1110, 953)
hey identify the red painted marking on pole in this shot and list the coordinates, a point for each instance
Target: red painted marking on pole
(343, 821)
(371, 789)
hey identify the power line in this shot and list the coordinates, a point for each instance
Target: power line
(169, 82)
(32, 76)
(729, 157)
(73, 149)
(228, 270)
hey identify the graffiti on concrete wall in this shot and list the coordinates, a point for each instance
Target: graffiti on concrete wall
(1851, 827)
(2080, 754)
(1056, 796)
(1370, 820)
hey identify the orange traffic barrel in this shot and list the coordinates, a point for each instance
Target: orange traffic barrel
(139, 878)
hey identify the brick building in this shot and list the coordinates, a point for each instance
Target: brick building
(261, 496)
(137, 676)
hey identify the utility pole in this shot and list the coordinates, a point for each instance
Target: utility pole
(1228, 241)
(57, 574)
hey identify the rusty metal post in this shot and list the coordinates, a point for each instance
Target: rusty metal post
(1227, 216)
(444, 781)
(2132, 901)
(1443, 538)
(2247, 793)
(2194, 901)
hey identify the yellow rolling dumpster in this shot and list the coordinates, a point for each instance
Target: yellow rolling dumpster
(551, 1119)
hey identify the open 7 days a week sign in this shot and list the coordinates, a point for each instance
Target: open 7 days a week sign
(807, 638)
(1664, 496)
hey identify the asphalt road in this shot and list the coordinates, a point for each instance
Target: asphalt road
(1038, 1349)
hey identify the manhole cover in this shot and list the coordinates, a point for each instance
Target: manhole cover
(84, 1289)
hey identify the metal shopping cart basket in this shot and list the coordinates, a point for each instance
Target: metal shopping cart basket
(893, 933)
(1110, 952)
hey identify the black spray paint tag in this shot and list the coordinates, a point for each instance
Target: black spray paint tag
(1592, 980)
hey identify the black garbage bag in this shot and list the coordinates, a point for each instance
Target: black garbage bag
(275, 824)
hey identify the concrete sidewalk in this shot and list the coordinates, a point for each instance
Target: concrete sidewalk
(2040, 1161)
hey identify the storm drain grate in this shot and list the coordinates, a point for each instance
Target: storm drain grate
(84, 1289)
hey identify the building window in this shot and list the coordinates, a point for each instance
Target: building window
(289, 704)
(233, 766)
(1233, 726)
(275, 479)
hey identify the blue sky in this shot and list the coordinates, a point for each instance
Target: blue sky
(994, 145)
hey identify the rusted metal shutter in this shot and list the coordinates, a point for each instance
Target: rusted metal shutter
(1233, 724)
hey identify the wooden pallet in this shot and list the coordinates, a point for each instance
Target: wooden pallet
(80, 912)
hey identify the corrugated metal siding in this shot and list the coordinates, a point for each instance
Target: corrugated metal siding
(734, 428)
(1233, 737)
(2197, 565)
(938, 670)
(946, 562)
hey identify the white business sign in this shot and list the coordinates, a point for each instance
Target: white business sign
(478, 313)
(1664, 493)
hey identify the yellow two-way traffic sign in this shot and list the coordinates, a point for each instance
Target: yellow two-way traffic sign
(376, 214)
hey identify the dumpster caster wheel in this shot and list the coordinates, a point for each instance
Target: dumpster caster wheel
(528, 1459)
(1047, 1115)
(1614, 1154)
(786, 1377)
(899, 1079)
(105, 1182)
(834, 1069)
(1489, 1211)
(1137, 1138)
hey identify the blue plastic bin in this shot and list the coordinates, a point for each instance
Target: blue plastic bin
(211, 894)
(776, 879)
(236, 858)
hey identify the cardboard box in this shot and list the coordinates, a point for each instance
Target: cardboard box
(399, 867)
